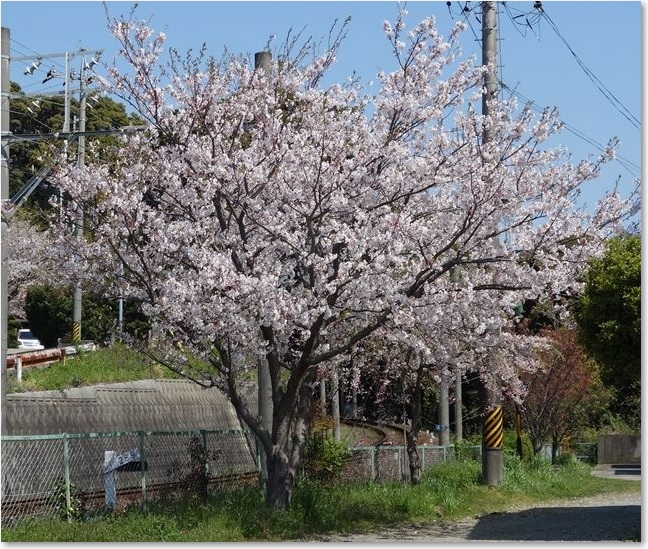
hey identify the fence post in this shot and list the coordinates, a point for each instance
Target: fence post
(203, 434)
(110, 480)
(423, 458)
(66, 472)
(142, 453)
(373, 462)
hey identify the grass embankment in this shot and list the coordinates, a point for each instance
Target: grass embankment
(107, 365)
(450, 491)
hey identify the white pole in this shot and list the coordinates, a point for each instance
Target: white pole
(110, 478)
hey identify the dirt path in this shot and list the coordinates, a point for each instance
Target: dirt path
(608, 517)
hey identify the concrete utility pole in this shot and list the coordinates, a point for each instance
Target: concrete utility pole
(77, 296)
(444, 414)
(78, 229)
(492, 462)
(458, 406)
(262, 60)
(335, 403)
(4, 78)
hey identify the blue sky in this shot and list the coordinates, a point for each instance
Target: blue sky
(535, 60)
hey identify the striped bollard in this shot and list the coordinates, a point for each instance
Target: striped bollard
(492, 465)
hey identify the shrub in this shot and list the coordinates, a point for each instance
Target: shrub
(324, 458)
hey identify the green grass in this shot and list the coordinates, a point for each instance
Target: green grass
(107, 365)
(448, 492)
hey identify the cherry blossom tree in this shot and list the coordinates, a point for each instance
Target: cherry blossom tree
(31, 261)
(267, 217)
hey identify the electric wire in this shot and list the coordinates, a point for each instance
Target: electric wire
(32, 117)
(531, 18)
(613, 99)
(632, 168)
(51, 61)
(465, 11)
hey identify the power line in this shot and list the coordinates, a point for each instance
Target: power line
(618, 105)
(631, 167)
(523, 20)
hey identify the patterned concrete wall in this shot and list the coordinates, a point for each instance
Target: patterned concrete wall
(147, 405)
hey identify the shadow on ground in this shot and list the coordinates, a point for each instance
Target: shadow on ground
(607, 523)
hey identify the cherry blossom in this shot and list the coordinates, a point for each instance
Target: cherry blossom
(270, 218)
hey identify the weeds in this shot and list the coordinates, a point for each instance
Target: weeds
(448, 491)
(110, 365)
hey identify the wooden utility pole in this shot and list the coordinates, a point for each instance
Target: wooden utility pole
(492, 462)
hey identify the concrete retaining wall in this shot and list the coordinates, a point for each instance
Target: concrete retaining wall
(147, 405)
(624, 449)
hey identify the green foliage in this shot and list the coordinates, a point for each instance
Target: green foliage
(449, 491)
(58, 492)
(324, 458)
(114, 364)
(13, 325)
(49, 311)
(609, 317)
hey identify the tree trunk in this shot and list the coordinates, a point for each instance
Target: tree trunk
(281, 481)
(413, 408)
(412, 454)
(555, 448)
(289, 439)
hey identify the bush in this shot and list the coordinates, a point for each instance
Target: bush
(324, 458)
(49, 311)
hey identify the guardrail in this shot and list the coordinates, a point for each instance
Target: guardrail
(20, 359)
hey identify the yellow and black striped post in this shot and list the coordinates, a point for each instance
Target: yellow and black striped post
(76, 332)
(493, 436)
(494, 429)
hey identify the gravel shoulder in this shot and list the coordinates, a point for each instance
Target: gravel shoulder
(606, 517)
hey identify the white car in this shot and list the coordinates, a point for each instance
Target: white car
(26, 340)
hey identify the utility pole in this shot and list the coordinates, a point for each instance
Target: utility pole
(4, 79)
(335, 403)
(458, 406)
(263, 60)
(492, 462)
(77, 296)
(78, 229)
(444, 413)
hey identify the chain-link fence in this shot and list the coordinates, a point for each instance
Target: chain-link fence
(66, 473)
(391, 463)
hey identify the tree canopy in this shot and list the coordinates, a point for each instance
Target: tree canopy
(265, 219)
(609, 313)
